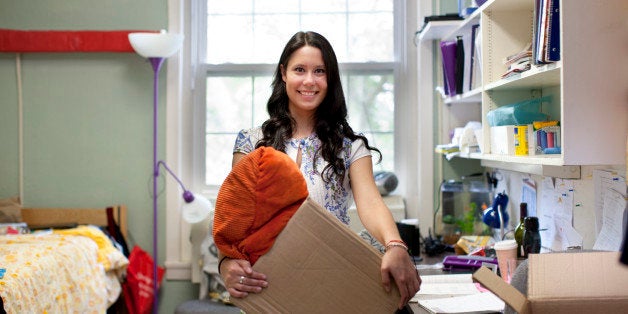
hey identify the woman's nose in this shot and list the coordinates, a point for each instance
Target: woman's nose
(309, 78)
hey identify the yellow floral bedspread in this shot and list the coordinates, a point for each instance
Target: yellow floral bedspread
(52, 273)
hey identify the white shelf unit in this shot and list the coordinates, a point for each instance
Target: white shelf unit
(438, 29)
(588, 86)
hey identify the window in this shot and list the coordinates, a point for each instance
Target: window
(240, 45)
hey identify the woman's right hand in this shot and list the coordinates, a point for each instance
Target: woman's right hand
(240, 278)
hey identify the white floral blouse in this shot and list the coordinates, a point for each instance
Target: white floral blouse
(332, 195)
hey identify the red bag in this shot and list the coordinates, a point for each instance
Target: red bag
(138, 287)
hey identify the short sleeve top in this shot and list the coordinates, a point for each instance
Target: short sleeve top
(332, 195)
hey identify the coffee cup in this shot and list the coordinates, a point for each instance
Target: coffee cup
(506, 252)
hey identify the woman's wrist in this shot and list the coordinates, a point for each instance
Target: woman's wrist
(220, 263)
(396, 243)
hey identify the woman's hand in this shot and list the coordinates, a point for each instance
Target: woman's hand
(240, 278)
(397, 265)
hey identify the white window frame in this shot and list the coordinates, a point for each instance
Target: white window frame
(183, 98)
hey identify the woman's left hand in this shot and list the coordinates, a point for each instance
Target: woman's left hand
(397, 265)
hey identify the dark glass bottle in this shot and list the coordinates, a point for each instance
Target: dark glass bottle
(531, 236)
(523, 213)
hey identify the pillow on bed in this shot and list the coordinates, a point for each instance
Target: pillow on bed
(10, 210)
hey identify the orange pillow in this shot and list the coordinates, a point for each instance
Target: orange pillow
(255, 202)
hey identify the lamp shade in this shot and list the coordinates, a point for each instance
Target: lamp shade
(196, 210)
(156, 45)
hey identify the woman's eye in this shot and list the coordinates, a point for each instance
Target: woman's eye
(320, 71)
(299, 69)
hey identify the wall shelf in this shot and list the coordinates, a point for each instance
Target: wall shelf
(438, 29)
(579, 85)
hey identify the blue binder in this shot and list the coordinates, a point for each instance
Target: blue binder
(553, 49)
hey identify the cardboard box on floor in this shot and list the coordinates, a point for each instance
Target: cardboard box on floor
(582, 282)
(318, 265)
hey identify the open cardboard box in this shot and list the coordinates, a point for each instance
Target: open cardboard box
(582, 282)
(318, 265)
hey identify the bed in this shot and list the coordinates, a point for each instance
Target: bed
(71, 267)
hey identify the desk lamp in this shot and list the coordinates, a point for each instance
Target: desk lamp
(496, 216)
(156, 47)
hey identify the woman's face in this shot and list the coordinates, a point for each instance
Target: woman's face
(306, 80)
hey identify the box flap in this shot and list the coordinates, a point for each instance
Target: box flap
(318, 265)
(499, 287)
(590, 275)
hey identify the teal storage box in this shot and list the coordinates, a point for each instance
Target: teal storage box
(519, 113)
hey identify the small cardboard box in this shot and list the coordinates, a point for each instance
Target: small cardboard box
(503, 140)
(318, 265)
(583, 282)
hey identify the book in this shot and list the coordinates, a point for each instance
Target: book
(445, 286)
(455, 293)
(485, 302)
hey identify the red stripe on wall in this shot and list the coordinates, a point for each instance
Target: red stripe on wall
(66, 41)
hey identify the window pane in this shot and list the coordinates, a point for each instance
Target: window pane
(218, 155)
(371, 37)
(324, 6)
(275, 6)
(234, 45)
(370, 5)
(233, 104)
(229, 7)
(370, 100)
(333, 27)
(229, 101)
(261, 95)
(272, 31)
(360, 31)
(385, 142)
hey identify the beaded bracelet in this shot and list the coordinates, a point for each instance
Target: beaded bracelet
(398, 241)
(391, 244)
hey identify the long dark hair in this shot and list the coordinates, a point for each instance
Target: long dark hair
(330, 117)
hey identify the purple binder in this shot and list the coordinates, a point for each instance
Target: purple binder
(448, 50)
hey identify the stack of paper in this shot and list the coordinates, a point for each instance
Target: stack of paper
(455, 293)
(518, 62)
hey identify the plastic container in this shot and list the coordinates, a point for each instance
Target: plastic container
(520, 113)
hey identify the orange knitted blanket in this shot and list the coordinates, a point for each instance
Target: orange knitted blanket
(255, 202)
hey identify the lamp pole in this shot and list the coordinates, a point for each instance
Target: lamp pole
(156, 47)
(156, 63)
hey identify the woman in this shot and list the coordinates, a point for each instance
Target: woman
(308, 122)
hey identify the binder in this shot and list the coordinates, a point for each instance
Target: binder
(459, 65)
(553, 49)
(472, 71)
(448, 51)
(539, 42)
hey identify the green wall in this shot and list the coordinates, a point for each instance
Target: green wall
(87, 118)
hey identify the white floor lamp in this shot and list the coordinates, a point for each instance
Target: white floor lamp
(156, 47)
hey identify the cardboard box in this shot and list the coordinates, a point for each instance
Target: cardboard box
(582, 282)
(318, 265)
(503, 140)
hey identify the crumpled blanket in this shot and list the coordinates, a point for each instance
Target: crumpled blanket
(51, 273)
(255, 202)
